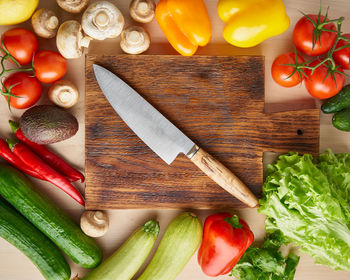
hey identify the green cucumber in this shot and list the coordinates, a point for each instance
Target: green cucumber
(338, 102)
(48, 217)
(128, 259)
(18, 231)
(341, 120)
(180, 241)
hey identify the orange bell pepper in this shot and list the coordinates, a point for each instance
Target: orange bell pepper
(185, 23)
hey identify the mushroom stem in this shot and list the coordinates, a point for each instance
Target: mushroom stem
(101, 20)
(52, 23)
(133, 37)
(64, 96)
(143, 7)
(85, 41)
(99, 217)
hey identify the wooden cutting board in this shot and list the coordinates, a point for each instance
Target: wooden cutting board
(218, 101)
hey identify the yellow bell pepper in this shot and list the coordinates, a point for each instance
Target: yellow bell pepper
(185, 23)
(250, 22)
(16, 11)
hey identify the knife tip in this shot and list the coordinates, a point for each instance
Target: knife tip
(95, 67)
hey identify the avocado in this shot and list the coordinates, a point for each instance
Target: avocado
(47, 124)
(341, 120)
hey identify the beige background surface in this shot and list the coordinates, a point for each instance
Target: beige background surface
(15, 266)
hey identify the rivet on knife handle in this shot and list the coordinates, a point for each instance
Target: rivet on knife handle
(216, 171)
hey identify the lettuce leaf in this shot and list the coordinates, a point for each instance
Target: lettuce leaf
(267, 262)
(309, 202)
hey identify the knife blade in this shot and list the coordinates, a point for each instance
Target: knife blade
(163, 137)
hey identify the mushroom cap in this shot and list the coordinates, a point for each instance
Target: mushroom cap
(70, 40)
(134, 40)
(102, 20)
(142, 10)
(64, 94)
(94, 223)
(73, 6)
(45, 23)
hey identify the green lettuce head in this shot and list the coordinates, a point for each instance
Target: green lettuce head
(309, 202)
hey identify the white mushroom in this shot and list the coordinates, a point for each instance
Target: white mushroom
(142, 10)
(134, 40)
(73, 6)
(45, 23)
(70, 39)
(64, 93)
(102, 20)
(94, 223)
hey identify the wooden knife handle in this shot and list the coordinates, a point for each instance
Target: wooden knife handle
(224, 177)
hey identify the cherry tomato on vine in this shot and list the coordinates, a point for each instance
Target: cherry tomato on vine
(25, 86)
(322, 83)
(49, 66)
(342, 57)
(282, 74)
(21, 44)
(311, 40)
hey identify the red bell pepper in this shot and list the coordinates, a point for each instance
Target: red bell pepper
(225, 239)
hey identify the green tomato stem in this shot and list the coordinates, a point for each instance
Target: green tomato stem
(332, 66)
(6, 56)
(338, 20)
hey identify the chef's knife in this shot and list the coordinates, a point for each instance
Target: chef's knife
(166, 140)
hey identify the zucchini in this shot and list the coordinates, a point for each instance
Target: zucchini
(341, 120)
(127, 260)
(18, 231)
(338, 102)
(48, 217)
(180, 241)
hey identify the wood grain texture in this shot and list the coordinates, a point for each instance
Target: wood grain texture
(224, 177)
(217, 101)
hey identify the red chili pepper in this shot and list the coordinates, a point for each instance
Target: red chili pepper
(50, 175)
(225, 239)
(11, 158)
(49, 157)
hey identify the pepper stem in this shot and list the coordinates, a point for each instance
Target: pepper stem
(234, 221)
(14, 125)
(11, 143)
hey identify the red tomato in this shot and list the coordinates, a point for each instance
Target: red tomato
(21, 44)
(303, 34)
(281, 73)
(49, 66)
(28, 88)
(342, 57)
(320, 86)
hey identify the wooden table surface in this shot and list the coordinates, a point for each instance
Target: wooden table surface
(15, 266)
